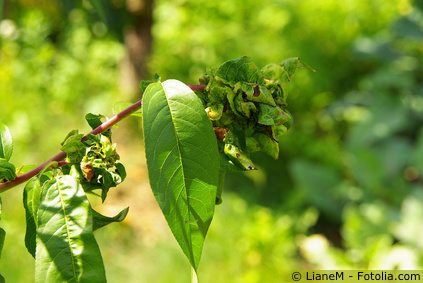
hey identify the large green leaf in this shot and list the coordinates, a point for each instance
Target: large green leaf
(66, 248)
(6, 145)
(183, 162)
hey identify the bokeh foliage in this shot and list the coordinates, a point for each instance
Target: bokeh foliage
(347, 189)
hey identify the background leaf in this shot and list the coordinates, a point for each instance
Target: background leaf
(66, 248)
(6, 145)
(183, 162)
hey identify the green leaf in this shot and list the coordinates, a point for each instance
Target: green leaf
(94, 120)
(268, 145)
(238, 157)
(240, 69)
(6, 144)
(31, 201)
(100, 220)
(66, 248)
(183, 162)
(7, 171)
(145, 83)
(2, 237)
(73, 143)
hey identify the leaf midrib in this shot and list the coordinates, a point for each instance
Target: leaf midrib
(183, 175)
(67, 231)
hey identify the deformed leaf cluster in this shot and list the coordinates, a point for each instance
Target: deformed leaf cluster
(247, 106)
(94, 159)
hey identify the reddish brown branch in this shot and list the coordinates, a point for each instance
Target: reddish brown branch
(197, 87)
(61, 155)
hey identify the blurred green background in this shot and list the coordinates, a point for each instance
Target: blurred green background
(347, 191)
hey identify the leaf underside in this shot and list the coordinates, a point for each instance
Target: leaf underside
(66, 249)
(183, 162)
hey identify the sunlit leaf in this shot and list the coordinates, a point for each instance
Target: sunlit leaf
(6, 145)
(183, 162)
(66, 248)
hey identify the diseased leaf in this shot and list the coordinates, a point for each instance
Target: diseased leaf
(6, 144)
(31, 201)
(183, 162)
(66, 248)
(247, 101)
(100, 220)
(73, 146)
(238, 157)
(95, 120)
(241, 69)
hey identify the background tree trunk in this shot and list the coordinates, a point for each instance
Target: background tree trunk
(138, 42)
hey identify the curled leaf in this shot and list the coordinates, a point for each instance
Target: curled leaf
(238, 157)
